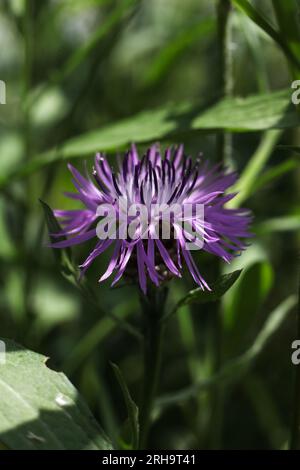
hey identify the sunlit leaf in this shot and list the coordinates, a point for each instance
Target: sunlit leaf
(41, 409)
(257, 112)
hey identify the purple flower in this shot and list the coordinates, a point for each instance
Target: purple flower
(172, 180)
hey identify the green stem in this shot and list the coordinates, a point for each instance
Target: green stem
(224, 149)
(225, 59)
(153, 308)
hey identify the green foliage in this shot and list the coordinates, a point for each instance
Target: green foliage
(169, 56)
(246, 7)
(292, 148)
(275, 172)
(260, 112)
(97, 75)
(235, 369)
(243, 302)
(64, 257)
(41, 409)
(287, 16)
(200, 296)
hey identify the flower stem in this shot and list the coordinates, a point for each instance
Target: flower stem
(153, 309)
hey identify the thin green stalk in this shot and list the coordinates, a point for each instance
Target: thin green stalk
(225, 59)
(153, 307)
(224, 148)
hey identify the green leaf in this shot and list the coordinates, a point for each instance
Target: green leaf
(254, 113)
(275, 172)
(218, 289)
(246, 7)
(41, 409)
(63, 256)
(132, 409)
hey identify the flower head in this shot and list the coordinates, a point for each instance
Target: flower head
(154, 211)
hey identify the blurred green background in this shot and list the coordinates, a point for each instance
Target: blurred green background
(71, 67)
